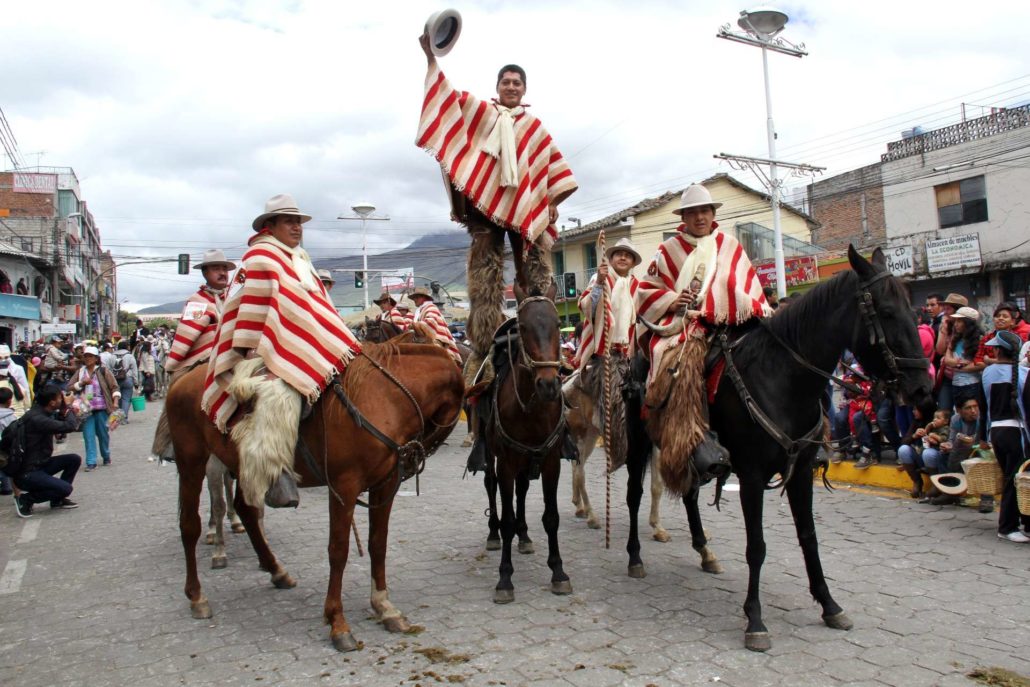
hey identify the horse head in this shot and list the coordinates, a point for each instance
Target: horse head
(540, 340)
(885, 339)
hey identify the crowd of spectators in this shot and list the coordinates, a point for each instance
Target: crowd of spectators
(979, 370)
(60, 387)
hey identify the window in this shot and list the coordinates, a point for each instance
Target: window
(590, 256)
(962, 202)
(559, 261)
(26, 245)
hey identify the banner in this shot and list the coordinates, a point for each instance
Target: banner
(396, 281)
(803, 269)
(900, 261)
(955, 253)
(25, 182)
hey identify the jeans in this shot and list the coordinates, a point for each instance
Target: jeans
(126, 387)
(930, 458)
(41, 484)
(94, 429)
(863, 430)
(945, 398)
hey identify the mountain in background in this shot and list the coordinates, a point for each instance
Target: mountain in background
(434, 257)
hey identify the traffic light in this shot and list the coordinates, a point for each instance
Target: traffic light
(184, 263)
(570, 285)
(359, 280)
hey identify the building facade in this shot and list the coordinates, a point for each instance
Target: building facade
(43, 215)
(953, 208)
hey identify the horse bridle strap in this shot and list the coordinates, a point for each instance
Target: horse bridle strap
(877, 337)
(524, 358)
(535, 452)
(792, 447)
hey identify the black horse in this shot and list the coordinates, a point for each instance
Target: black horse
(783, 365)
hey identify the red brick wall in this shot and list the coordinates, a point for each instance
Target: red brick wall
(25, 204)
(837, 203)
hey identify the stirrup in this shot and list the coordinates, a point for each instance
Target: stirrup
(283, 493)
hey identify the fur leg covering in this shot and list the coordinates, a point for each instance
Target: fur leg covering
(678, 427)
(538, 270)
(266, 438)
(485, 287)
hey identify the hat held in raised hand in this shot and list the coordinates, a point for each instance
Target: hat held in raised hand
(443, 29)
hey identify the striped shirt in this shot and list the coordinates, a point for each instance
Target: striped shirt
(195, 336)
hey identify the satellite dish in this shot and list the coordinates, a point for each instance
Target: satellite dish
(443, 28)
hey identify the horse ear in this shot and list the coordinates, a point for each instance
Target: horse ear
(861, 266)
(878, 259)
(519, 293)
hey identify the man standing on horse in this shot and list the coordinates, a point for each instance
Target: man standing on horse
(195, 336)
(610, 331)
(426, 311)
(699, 279)
(505, 176)
(280, 343)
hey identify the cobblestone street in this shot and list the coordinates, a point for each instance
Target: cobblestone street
(93, 596)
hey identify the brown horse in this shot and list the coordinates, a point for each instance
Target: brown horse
(524, 431)
(409, 393)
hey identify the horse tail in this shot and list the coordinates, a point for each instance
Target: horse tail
(162, 435)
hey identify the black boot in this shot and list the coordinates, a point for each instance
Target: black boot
(283, 493)
(917, 480)
(569, 450)
(711, 459)
(477, 457)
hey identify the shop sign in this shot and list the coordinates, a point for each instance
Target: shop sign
(955, 253)
(59, 328)
(799, 270)
(25, 182)
(900, 261)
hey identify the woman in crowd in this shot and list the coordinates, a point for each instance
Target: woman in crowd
(1007, 318)
(1003, 384)
(959, 362)
(147, 368)
(98, 395)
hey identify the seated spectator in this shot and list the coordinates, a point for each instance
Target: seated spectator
(965, 425)
(920, 450)
(853, 425)
(36, 479)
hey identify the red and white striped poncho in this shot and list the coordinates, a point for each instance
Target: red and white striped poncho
(454, 128)
(591, 341)
(735, 294)
(286, 318)
(431, 315)
(195, 336)
(400, 319)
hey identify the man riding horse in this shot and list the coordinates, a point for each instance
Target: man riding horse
(699, 279)
(195, 335)
(611, 332)
(280, 343)
(505, 176)
(427, 312)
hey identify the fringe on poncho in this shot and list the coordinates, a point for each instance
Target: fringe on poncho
(454, 128)
(294, 329)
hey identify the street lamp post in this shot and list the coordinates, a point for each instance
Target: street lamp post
(364, 212)
(762, 27)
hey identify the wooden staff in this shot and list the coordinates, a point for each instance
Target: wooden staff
(606, 396)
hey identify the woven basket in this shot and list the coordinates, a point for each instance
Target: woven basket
(1022, 480)
(983, 475)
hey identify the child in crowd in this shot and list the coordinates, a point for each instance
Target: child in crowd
(938, 429)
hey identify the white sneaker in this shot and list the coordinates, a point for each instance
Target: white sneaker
(151, 458)
(1017, 537)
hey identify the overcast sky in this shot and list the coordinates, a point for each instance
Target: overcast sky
(182, 117)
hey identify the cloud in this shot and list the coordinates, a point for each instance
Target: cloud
(182, 117)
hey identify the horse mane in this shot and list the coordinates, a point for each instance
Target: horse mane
(359, 369)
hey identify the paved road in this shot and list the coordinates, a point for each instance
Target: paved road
(932, 591)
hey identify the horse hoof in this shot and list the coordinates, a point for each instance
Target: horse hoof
(345, 642)
(838, 621)
(525, 546)
(661, 535)
(711, 567)
(219, 562)
(561, 588)
(580, 513)
(757, 641)
(493, 544)
(200, 610)
(593, 524)
(284, 581)
(396, 624)
(209, 539)
(238, 528)
(637, 572)
(504, 596)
